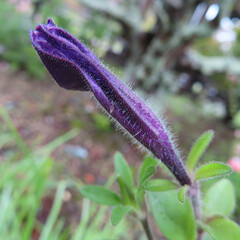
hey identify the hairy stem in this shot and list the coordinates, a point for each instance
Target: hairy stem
(195, 198)
(196, 203)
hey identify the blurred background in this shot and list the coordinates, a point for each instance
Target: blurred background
(182, 55)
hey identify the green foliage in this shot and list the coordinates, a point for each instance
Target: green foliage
(181, 193)
(25, 180)
(14, 34)
(48, 232)
(127, 193)
(22, 186)
(120, 12)
(101, 195)
(102, 122)
(221, 228)
(236, 120)
(125, 180)
(128, 203)
(198, 149)
(91, 224)
(148, 168)
(118, 213)
(219, 199)
(159, 185)
(208, 47)
(123, 169)
(172, 210)
(12, 132)
(176, 221)
(14, 37)
(212, 170)
(30, 175)
(235, 179)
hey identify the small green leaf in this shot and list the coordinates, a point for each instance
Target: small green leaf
(181, 193)
(118, 213)
(219, 199)
(148, 169)
(127, 195)
(123, 170)
(100, 195)
(123, 192)
(221, 228)
(211, 170)
(198, 149)
(140, 195)
(175, 220)
(159, 185)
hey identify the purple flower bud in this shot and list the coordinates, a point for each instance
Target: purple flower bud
(74, 67)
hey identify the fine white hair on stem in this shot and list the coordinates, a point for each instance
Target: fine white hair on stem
(133, 140)
(150, 104)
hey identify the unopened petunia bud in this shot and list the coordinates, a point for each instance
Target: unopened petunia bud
(73, 66)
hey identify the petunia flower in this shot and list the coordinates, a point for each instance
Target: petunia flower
(74, 67)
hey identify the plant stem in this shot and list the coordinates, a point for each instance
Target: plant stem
(146, 228)
(195, 198)
(196, 203)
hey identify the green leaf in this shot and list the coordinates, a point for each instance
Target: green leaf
(123, 192)
(127, 195)
(118, 213)
(159, 185)
(221, 228)
(140, 195)
(176, 221)
(100, 195)
(148, 169)
(181, 193)
(212, 170)
(123, 170)
(219, 199)
(198, 149)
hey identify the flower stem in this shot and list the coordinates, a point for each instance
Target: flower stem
(146, 227)
(196, 203)
(195, 198)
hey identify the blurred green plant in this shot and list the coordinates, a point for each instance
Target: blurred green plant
(235, 179)
(102, 122)
(15, 47)
(179, 211)
(14, 41)
(25, 180)
(169, 46)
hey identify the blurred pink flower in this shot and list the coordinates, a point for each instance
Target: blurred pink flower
(21, 6)
(234, 163)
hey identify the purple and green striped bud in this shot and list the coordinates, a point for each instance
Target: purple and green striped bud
(74, 67)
